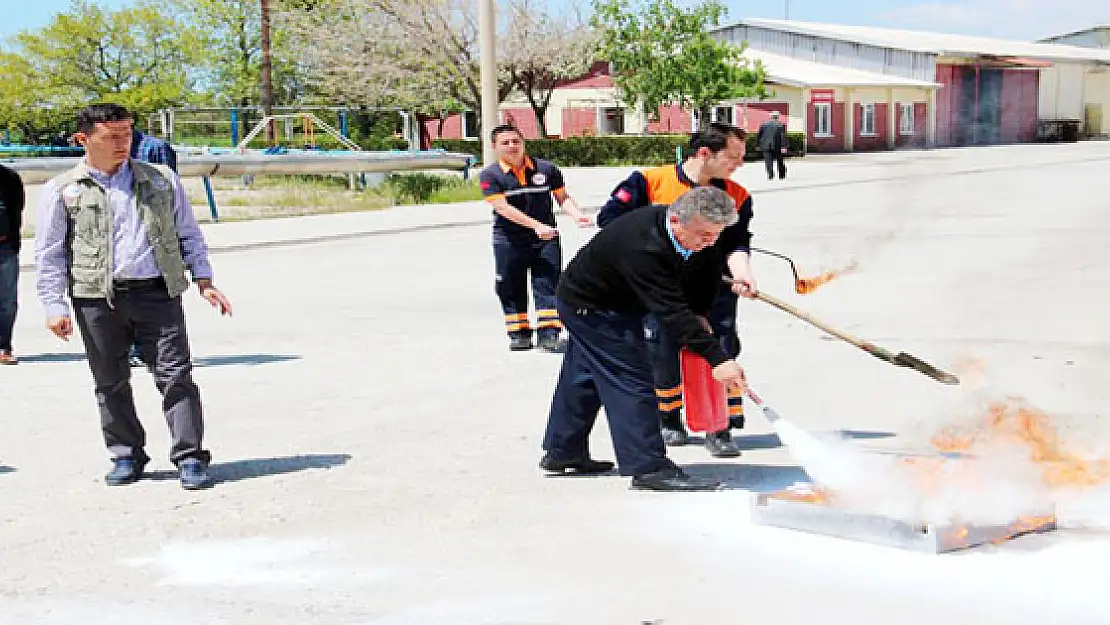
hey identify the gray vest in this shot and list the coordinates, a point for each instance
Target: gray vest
(90, 236)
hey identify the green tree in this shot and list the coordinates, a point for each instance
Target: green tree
(138, 56)
(231, 49)
(547, 50)
(663, 55)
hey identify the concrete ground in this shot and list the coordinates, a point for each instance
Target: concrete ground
(375, 442)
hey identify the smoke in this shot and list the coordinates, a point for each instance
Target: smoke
(1008, 466)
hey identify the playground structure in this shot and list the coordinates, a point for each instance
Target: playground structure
(239, 159)
(225, 126)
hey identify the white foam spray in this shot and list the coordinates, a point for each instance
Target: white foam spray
(996, 485)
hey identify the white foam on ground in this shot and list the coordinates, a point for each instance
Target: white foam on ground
(251, 562)
(78, 611)
(493, 610)
(1031, 580)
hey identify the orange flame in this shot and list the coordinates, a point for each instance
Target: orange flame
(816, 496)
(1014, 423)
(805, 286)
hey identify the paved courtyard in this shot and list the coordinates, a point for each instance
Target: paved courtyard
(376, 444)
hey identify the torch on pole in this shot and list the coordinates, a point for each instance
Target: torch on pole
(487, 34)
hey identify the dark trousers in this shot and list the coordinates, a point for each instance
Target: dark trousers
(666, 372)
(142, 313)
(770, 158)
(514, 261)
(722, 317)
(666, 365)
(9, 295)
(606, 364)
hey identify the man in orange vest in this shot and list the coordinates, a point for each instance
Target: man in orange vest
(713, 155)
(520, 188)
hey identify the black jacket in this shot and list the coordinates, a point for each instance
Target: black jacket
(772, 136)
(632, 267)
(11, 208)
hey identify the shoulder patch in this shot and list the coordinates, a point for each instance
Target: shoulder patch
(71, 193)
(623, 195)
(539, 179)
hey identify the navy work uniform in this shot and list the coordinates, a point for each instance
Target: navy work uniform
(663, 185)
(634, 268)
(518, 251)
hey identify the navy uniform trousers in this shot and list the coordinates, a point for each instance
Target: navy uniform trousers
(513, 262)
(666, 368)
(606, 364)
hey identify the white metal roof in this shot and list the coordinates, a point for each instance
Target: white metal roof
(1097, 28)
(788, 71)
(935, 43)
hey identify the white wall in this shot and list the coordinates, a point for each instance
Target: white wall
(792, 96)
(1061, 92)
(1097, 91)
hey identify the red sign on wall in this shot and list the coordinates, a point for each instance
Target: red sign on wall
(822, 95)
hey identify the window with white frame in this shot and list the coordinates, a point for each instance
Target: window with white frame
(722, 114)
(822, 119)
(470, 125)
(905, 118)
(867, 119)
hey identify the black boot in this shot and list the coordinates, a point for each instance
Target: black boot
(520, 342)
(583, 465)
(552, 343)
(720, 444)
(673, 480)
(674, 433)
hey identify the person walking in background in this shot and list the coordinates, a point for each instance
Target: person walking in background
(118, 235)
(773, 144)
(11, 223)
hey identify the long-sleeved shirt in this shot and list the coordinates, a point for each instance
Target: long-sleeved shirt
(634, 267)
(133, 255)
(153, 150)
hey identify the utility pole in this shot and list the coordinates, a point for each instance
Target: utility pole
(487, 35)
(787, 9)
(267, 72)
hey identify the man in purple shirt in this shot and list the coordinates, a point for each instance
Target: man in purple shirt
(117, 236)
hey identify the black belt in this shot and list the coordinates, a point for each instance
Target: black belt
(138, 284)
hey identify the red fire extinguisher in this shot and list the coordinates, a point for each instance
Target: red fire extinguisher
(705, 398)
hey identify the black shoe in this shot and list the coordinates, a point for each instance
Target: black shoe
(736, 423)
(194, 475)
(673, 480)
(124, 471)
(581, 466)
(720, 445)
(553, 344)
(520, 342)
(675, 437)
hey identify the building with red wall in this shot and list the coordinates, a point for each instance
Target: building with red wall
(848, 88)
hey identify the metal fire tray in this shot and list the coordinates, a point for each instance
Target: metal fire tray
(870, 528)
